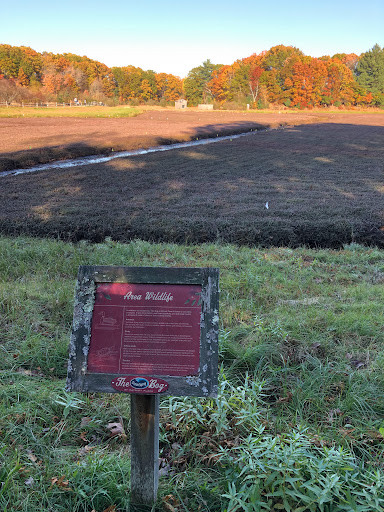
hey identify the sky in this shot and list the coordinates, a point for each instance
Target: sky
(175, 37)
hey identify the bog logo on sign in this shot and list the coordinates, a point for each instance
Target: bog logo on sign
(145, 385)
(139, 383)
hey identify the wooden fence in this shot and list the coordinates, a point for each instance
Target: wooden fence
(50, 104)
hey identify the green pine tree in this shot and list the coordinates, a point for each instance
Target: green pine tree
(370, 70)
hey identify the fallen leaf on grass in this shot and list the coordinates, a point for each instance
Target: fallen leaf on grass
(30, 373)
(112, 508)
(85, 421)
(164, 469)
(347, 432)
(20, 418)
(284, 399)
(31, 456)
(317, 441)
(378, 436)
(30, 482)
(357, 364)
(61, 483)
(212, 459)
(85, 450)
(230, 443)
(334, 413)
(170, 503)
(169, 507)
(83, 438)
(116, 429)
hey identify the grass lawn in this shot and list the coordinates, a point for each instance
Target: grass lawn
(298, 424)
(81, 112)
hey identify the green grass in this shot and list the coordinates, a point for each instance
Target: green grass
(86, 112)
(297, 422)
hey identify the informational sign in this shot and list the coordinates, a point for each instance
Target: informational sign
(145, 330)
(151, 329)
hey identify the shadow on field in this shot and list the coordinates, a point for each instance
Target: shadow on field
(318, 185)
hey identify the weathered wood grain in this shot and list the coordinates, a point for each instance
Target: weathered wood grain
(144, 448)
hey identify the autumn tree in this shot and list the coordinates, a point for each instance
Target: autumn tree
(278, 63)
(255, 73)
(128, 80)
(196, 84)
(303, 92)
(80, 77)
(339, 85)
(14, 58)
(169, 87)
(349, 59)
(96, 90)
(109, 85)
(8, 90)
(220, 83)
(277, 56)
(22, 78)
(9, 61)
(148, 87)
(52, 82)
(146, 91)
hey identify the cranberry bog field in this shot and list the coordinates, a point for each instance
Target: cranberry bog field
(310, 178)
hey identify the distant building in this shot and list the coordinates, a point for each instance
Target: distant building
(205, 106)
(181, 104)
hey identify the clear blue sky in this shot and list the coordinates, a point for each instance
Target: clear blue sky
(174, 37)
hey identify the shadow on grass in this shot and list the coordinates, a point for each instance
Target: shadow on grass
(316, 185)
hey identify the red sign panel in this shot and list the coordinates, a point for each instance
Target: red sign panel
(146, 329)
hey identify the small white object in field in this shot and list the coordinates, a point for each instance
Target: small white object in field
(267, 205)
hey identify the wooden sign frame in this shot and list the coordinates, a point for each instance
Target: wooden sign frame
(202, 383)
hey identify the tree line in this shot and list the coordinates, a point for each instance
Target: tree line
(281, 76)
(29, 75)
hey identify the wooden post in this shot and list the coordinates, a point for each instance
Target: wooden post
(144, 448)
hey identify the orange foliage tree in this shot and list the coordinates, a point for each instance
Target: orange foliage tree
(169, 87)
(281, 75)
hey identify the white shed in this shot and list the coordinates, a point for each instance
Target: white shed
(181, 104)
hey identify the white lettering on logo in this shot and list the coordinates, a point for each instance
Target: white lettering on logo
(121, 382)
(153, 384)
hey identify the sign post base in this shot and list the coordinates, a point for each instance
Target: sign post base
(144, 449)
